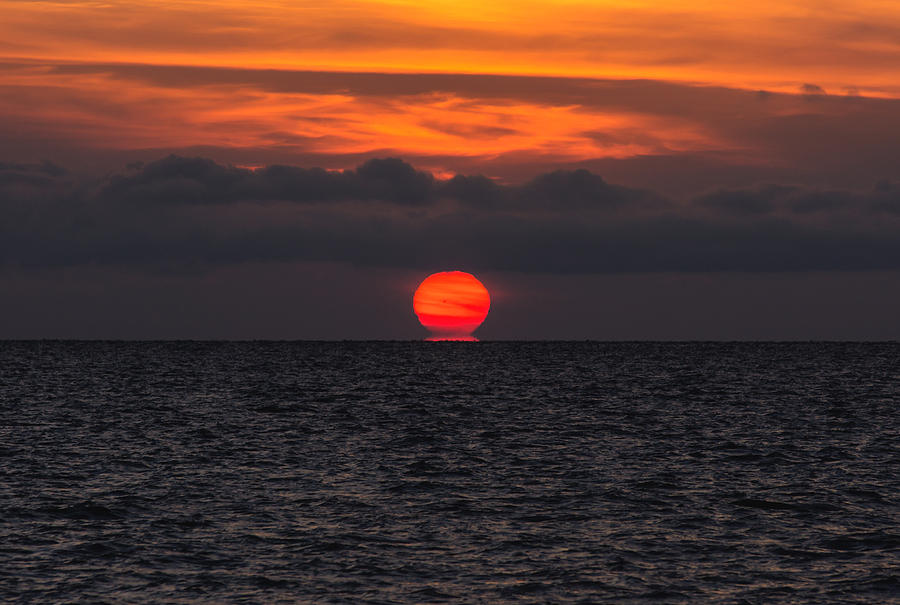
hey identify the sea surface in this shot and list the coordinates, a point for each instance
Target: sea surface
(423, 472)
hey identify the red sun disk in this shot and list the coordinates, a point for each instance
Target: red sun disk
(451, 303)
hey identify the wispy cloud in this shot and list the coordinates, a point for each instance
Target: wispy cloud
(446, 122)
(773, 45)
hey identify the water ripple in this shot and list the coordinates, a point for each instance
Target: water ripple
(449, 472)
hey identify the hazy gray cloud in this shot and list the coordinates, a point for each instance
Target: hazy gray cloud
(179, 180)
(190, 181)
(191, 211)
(35, 175)
(812, 91)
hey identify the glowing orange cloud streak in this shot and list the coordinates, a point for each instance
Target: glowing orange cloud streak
(769, 44)
(135, 114)
(451, 304)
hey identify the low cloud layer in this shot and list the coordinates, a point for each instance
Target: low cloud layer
(187, 212)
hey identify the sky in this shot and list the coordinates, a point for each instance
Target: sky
(609, 169)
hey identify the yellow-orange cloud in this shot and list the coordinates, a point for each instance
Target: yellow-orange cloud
(767, 44)
(444, 82)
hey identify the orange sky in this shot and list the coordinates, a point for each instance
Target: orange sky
(105, 75)
(764, 44)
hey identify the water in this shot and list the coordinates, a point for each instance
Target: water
(449, 472)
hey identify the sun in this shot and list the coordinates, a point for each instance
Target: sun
(451, 304)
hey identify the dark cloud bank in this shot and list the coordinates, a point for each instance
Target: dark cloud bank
(194, 212)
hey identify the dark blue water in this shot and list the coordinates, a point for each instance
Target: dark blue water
(449, 472)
